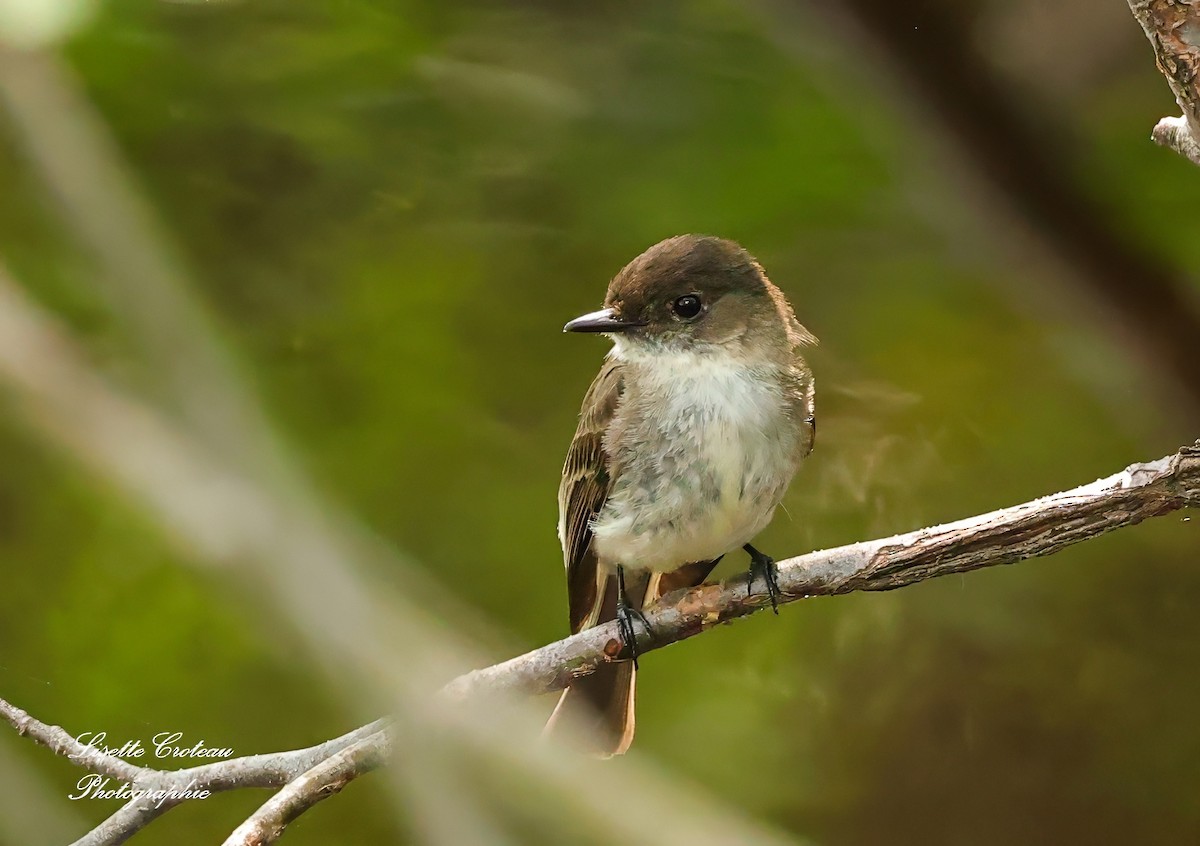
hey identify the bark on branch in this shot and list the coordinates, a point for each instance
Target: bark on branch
(1173, 27)
(1040, 527)
(1032, 529)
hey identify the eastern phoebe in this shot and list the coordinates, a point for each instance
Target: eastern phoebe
(687, 441)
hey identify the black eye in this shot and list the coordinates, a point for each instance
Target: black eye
(687, 306)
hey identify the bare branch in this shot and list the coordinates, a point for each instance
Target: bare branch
(156, 786)
(322, 781)
(269, 770)
(134, 815)
(59, 742)
(272, 769)
(1033, 529)
(1173, 27)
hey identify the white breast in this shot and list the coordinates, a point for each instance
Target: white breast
(705, 454)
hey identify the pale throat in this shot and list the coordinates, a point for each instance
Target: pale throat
(676, 353)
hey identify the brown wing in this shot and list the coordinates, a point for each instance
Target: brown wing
(800, 392)
(581, 495)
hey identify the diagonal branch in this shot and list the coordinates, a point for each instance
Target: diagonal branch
(58, 741)
(322, 781)
(1173, 27)
(1033, 529)
(133, 816)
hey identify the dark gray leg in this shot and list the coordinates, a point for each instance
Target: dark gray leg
(626, 615)
(763, 565)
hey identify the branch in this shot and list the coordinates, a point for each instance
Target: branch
(134, 815)
(1032, 529)
(1173, 27)
(322, 781)
(59, 742)
(158, 788)
(269, 770)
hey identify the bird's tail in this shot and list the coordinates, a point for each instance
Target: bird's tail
(600, 705)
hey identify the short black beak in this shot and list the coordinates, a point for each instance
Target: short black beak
(604, 320)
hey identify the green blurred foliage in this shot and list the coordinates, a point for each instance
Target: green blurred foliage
(393, 207)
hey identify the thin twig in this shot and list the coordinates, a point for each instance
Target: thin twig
(267, 770)
(155, 786)
(58, 741)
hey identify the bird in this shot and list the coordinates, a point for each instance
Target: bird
(687, 440)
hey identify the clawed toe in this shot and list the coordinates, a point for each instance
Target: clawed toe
(627, 616)
(763, 565)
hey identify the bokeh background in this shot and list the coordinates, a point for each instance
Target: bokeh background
(393, 207)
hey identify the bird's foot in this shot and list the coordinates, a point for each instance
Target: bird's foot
(763, 565)
(626, 616)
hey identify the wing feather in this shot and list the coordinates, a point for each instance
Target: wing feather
(584, 489)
